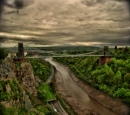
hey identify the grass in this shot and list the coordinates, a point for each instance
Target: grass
(45, 92)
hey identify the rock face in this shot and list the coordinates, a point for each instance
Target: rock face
(25, 76)
(6, 69)
(19, 83)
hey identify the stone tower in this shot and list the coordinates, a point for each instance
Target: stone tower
(105, 50)
(20, 50)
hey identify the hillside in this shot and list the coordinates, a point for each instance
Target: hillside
(112, 78)
(22, 91)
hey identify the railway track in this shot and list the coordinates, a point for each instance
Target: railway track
(57, 107)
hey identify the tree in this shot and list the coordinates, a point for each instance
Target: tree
(120, 93)
(127, 77)
(117, 78)
(3, 53)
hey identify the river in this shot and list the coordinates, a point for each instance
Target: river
(78, 94)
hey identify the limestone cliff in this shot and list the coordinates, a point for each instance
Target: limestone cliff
(18, 88)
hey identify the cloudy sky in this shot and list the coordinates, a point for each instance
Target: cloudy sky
(66, 22)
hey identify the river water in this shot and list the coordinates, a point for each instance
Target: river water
(80, 95)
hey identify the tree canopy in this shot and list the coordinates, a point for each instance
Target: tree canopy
(3, 53)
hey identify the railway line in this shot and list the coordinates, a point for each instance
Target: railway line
(57, 107)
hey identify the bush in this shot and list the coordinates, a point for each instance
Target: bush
(3, 53)
(120, 93)
(41, 68)
(127, 78)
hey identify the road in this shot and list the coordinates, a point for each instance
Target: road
(57, 108)
(78, 55)
(78, 94)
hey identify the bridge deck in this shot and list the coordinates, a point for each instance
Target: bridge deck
(70, 56)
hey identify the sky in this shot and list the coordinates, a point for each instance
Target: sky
(66, 22)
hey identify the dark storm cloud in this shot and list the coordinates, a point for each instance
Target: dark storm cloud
(2, 39)
(68, 22)
(1, 8)
(17, 39)
(127, 1)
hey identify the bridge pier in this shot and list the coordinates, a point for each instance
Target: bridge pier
(104, 59)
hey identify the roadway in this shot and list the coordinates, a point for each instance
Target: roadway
(78, 94)
(79, 55)
(57, 108)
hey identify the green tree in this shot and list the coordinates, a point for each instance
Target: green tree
(127, 78)
(117, 78)
(121, 92)
(3, 53)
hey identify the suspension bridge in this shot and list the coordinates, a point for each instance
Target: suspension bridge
(37, 53)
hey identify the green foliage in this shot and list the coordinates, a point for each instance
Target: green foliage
(4, 96)
(104, 88)
(3, 53)
(112, 78)
(18, 66)
(9, 111)
(100, 79)
(14, 94)
(117, 79)
(14, 85)
(44, 92)
(127, 78)
(46, 111)
(122, 93)
(41, 68)
(22, 111)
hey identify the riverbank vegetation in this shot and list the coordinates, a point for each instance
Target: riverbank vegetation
(112, 78)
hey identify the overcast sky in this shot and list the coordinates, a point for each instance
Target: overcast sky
(66, 22)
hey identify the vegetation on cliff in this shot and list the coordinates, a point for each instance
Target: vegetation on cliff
(112, 78)
(21, 91)
(44, 92)
(41, 68)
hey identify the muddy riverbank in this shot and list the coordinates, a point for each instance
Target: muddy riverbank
(79, 100)
(114, 105)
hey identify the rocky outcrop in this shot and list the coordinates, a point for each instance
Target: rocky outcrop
(7, 69)
(26, 77)
(19, 83)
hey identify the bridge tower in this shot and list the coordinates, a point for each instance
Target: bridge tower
(105, 58)
(20, 50)
(105, 50)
